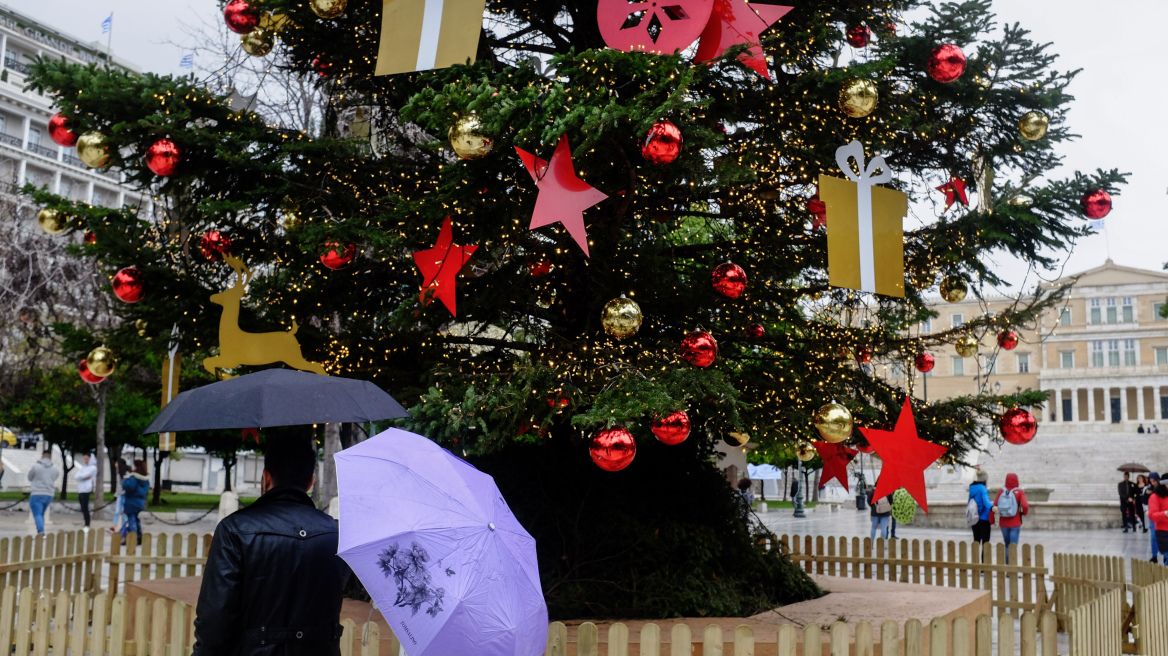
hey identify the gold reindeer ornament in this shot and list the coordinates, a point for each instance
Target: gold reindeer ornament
(237, 347)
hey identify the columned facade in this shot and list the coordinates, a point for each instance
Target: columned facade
(1119, 404)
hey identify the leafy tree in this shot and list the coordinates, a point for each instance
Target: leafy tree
(525, 371)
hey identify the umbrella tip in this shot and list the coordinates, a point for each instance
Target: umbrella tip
(491, 525)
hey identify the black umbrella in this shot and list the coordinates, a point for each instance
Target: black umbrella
(276, 397)
(1133, 468)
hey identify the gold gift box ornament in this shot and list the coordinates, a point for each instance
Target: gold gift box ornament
(421, 35)
(865, 231)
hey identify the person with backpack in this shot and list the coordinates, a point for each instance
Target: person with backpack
(1153, 482)
(1011, 504)
(979, 508)
(1158, 513)
(881, 514)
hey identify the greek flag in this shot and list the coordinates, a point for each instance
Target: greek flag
(187, 61)
(1097, 225)
(107, 24)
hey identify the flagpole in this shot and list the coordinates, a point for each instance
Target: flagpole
(109, 43)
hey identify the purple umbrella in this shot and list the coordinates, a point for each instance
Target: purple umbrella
(450, 567)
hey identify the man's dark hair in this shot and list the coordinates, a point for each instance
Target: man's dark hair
(47, 452)
(290, 461)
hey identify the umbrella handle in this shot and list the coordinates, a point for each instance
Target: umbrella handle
(365, 633)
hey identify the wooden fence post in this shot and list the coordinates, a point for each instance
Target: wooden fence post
(650, 640)
(618, 639)
(712, 640)
(557, 640)
(744, 640)
(587, 640)
(680, 641)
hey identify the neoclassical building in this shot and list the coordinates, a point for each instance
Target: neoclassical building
(1102, 356)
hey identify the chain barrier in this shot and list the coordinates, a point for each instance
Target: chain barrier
(197, 519)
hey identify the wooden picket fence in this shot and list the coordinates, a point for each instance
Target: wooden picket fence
(1151, 617)
(157, 557)
(1017, 586)
(940, 637)
(1096, 627)
(68, 561)
(1082, 578)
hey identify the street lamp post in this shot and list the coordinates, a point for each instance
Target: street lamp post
(799, 491)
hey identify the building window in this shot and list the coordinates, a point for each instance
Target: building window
(1065, 317)
(1067, 359)
(958, 320)
(991, 365)
(927, 326)
(1096, 311)
(1157, 308)
(1113, 352)
(958, 366)
(1112, 311)
(1162, 355)
(896, 372)
(1129, 352)
(1129, 310)
(34, 136)
(1096, 354)
(1024, 363)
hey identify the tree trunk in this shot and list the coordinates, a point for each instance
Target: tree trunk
(112, 458)
(159, 456)
(332, 444)
(66, 467)
(228, 465)
(98, 483)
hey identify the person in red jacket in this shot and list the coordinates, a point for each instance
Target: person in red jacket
(1010, 513)
(1158, 513)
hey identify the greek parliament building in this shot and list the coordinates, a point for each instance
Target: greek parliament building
(1102, 356)
(27, 155)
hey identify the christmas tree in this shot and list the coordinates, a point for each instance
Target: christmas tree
(509, 354)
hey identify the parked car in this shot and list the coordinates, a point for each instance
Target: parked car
(28, 440)
(7, 437)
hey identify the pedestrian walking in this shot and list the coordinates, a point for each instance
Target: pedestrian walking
(1009, 506)
(979, 506)
(1157, 507)
(273, 581)
(1126, 506)
(85, 476)
(119, 524)
(1138, 503)
(745, 492)
(881, 513)
(41, 479)
(136, 485)
(1140, 429)
(1149, 490)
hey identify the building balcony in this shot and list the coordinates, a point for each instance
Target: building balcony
(44, 151)
(14, 65)
(73, 160)
(11, 140)
(1100, 375)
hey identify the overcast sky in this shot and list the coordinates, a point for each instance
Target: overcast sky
(1119, 95)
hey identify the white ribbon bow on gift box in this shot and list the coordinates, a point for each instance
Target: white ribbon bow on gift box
(864, 183)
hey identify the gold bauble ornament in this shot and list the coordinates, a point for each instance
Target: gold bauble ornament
(834, 422)
(466, 140)
(273, 22)
(140, 326)
(857, 97)
(621, 317)
(736, 438)
(805, 451)
(52, 221)
(93, 149)
(953, 289)
(1020, 200)
(327, 8)
(966, 346)
(101, 361)
(258, 42)
(1033, 125)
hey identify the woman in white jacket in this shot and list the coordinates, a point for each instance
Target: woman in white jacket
(85, 476)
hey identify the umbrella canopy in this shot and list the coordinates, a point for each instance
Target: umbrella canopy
(764, 473)
(430, 536)
(1133, 468)
(276, 397)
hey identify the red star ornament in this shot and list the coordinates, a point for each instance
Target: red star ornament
(905, 457)
(836, 458)
(734, 22)
(954, 192)
(563, 196)
(440, 266)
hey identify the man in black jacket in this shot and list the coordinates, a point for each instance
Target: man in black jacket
(273, 581)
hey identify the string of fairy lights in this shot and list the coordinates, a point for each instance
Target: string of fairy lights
(739, 192)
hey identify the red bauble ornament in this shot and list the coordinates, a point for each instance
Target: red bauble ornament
(946, 63)
(129, 285)
(818, 209)
(214, 245)
(163, 157)
(1008, 339)
(90, 237)
(60, 132)
(662, 143)
(859, 36)
(337, 258)
(864, 355)
(924, 363)
(729, 280)
(1018, 426)
(699, 348)
(87, 375)
(673, 428)
(322, 68)
(755, 331)
(1096, 204)
(613, 449)
(541, 268)
(240, 16)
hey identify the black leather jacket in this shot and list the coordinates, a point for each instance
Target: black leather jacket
(273, 581)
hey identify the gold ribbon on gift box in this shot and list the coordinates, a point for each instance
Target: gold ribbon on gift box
(171, 369)
(865, 233)
(420, 35)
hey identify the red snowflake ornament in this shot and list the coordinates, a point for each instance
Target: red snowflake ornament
(659, 28)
